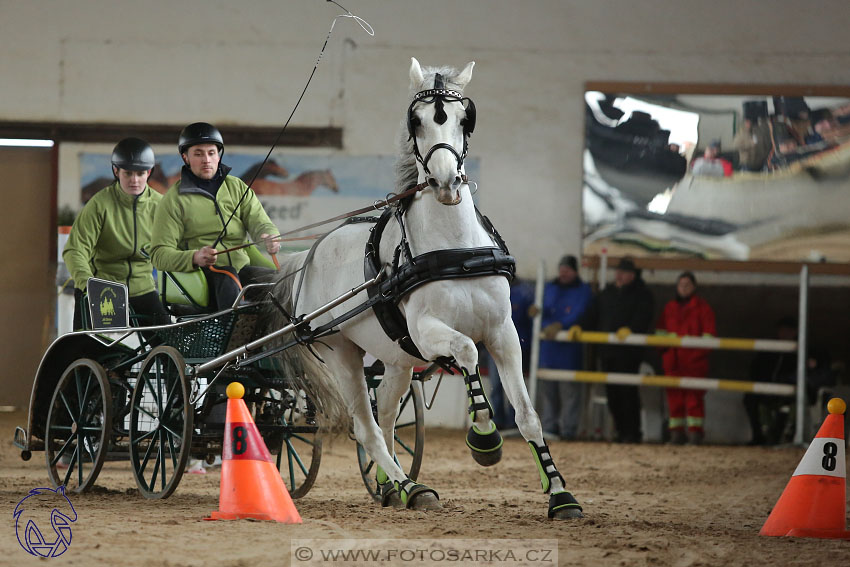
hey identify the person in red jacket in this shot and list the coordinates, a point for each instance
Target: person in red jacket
(690, 315)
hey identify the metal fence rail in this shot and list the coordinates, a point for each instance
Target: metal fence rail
(688, 382)
(714, 343)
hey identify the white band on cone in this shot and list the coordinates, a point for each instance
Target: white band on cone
(824, 457)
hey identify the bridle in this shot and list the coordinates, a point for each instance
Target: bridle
(438, 96)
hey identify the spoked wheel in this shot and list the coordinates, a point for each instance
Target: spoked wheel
(79, 422)
(160, 423)
(409, 439)
(299, 453)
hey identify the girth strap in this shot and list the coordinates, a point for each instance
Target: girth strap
(427, 267)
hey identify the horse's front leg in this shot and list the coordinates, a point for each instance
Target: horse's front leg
(503, 345)
(434, 338)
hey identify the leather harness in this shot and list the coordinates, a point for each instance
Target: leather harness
(408, 273)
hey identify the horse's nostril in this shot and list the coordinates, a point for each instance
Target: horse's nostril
(433, 182)
(456, 182)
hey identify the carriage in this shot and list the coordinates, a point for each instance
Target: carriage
(156, 394)
(432, 283)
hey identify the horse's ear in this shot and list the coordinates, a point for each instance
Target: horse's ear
(464, 77)
(416, 77)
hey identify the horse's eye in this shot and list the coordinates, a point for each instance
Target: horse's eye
(415, 122)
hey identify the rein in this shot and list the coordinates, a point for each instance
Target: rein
(376, 206)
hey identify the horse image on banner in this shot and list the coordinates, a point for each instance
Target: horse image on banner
(450, 266)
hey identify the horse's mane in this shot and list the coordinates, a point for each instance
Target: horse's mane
(406, 174)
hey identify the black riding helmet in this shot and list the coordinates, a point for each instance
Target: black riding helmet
(133, 154)
(199, 133)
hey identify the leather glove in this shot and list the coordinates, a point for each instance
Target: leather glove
(623, 332)
(574, 333)
(550, 330)
(533, 311)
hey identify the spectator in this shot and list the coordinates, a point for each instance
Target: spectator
(710, 164)
(565, 300)
(753, 144)
(825, 129)
(686, 315)
(623, 308)
(194, 210)
(787, 146)
(522, 299)
(770, 416)
(111, 236)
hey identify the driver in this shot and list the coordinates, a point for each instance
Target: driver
(110, 237)
(196, 208)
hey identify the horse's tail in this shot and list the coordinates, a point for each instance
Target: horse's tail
(303, 371)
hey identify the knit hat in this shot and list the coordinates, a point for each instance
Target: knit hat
(627, 265)
(569, 260)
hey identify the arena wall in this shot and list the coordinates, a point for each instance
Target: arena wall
(245, 63)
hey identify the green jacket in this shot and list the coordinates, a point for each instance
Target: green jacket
(189, 218)
(111, 238)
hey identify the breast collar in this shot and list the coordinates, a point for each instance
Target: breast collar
(409, 272)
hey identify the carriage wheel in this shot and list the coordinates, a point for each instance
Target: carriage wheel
(78, 424)
(409, 439)
(160, 423)
(300, 451)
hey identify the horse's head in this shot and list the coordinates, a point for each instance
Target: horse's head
(439, 122)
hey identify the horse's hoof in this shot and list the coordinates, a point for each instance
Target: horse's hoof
(486, 447)
(392, 500)
(417, 496)
(563, 506)
(487, 459)
(390, 496)
(425, 501)
(567, 514)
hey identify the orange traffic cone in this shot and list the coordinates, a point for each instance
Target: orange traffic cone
(813, 502)
(251, 486)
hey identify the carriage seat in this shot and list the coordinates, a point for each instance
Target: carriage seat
(187, 293)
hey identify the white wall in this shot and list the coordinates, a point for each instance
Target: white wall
(246, 62)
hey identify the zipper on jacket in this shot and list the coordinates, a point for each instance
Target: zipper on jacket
(223, 226)
(135, 243)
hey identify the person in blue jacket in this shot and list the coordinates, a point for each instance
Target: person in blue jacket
(565, 300)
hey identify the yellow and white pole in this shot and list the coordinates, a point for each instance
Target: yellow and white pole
(688, 382)
(713, 343)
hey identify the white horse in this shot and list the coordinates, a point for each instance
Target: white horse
(445, 318)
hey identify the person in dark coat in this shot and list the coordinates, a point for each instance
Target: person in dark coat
(623, 308)
(770, 415)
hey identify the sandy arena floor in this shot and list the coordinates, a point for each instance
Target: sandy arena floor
(644, 505)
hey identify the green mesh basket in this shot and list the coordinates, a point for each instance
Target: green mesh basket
(205, 338)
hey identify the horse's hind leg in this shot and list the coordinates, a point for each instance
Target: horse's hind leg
(346, 362)
(394, 384)
(435, 338)
(503, 346)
